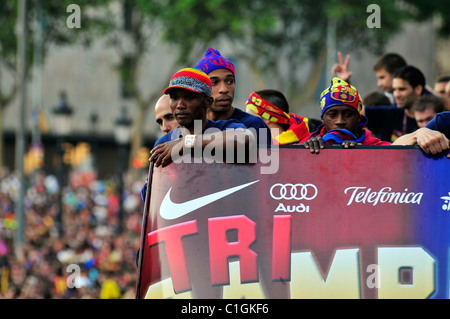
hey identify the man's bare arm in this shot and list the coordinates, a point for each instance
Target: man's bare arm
(231, 140)
(432, 142)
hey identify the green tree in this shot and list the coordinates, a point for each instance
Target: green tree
(270, 35)
(51, 17)
(142, 30)
(422, 10)
(133, 35)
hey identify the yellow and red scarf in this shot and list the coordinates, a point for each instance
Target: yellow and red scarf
(297, 125)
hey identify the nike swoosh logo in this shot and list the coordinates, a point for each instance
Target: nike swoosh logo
(170, 210)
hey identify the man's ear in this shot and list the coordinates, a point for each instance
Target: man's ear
(209, 101)
(418, 90)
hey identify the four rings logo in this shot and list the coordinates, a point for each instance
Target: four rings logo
(293, 192)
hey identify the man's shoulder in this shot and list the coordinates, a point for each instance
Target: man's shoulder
(427, 92)
(445, 116)
(249, 120)
(441, 123)
(172, 135)
(225, 124)
(379, 109)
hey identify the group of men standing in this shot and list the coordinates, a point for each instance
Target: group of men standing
(205, 93)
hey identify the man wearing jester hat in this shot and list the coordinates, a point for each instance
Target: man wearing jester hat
(343, 122)
(223, 78)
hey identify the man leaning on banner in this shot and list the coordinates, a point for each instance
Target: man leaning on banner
(343, 122)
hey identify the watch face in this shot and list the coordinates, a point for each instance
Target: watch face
(190, 140)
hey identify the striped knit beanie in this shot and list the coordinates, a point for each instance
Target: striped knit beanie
(341, 93)
(190, 79)
(213, 60)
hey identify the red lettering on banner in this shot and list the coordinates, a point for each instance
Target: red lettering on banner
(220, 249)
(171, 236)
(281, 247)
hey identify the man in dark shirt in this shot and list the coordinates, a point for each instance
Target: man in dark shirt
(433, 139)
(222, 74)
(343, 122)
(190, 97)
(391, 122)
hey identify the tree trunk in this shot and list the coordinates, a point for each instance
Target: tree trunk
(1, 138)
(136, 140)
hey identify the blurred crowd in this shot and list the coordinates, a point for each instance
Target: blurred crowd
(92, 258)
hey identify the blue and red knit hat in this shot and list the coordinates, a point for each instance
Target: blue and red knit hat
(213, 60)
(190, 79)
(342, 93)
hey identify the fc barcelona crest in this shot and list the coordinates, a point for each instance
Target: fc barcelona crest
(343, 96)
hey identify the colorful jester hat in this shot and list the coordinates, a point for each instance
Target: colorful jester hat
(213, 60)
(342, 93)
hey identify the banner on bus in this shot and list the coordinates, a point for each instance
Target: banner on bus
(357, 223)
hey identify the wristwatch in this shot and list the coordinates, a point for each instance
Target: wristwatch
(189, 141)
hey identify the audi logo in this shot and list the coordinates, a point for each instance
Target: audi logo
(293, 191)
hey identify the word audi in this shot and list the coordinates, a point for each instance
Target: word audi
(295, 192)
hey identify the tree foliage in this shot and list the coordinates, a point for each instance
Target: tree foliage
(50, 17)
(269, 33)
(52, 20)
(422, 10)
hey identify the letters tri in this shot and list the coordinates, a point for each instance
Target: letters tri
(299, 269)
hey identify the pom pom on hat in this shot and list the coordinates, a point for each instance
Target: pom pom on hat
(213, 60)
(190, 79)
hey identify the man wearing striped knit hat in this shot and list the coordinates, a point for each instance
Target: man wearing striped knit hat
(190, 97)
(343, 122)
(223, 78)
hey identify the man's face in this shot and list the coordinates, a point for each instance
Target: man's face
(439, 87)
(447, 89)
(341, 117)
(164, 116)
(188, 106)
(384, 80)
(404, 93)
(223, 86)
(423, 118)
